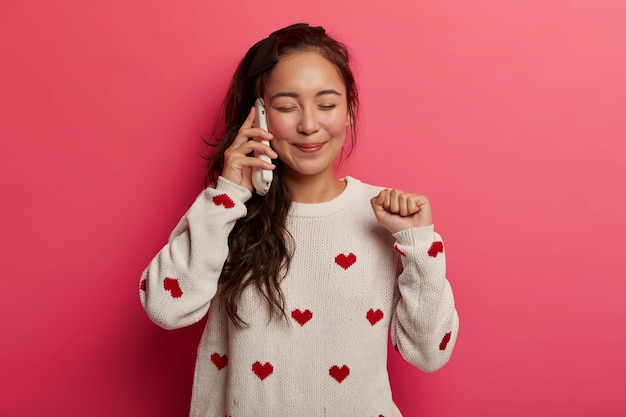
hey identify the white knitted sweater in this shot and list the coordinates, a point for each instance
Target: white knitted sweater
(349, 283)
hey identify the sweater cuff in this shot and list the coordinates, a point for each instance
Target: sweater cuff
(232, 189)
(416, 236)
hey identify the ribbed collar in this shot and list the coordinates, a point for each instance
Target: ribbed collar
(330, 207)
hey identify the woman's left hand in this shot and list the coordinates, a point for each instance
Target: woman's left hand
(396, 210)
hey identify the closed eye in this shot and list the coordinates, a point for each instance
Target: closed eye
(285, 109)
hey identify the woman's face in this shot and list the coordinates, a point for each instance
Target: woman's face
(307, 113)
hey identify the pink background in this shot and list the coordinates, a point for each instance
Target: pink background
(508, 114)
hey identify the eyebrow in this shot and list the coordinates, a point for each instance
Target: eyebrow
(319, 94)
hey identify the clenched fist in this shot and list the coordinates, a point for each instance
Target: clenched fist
(396, 210)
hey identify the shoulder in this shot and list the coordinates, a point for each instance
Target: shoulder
(363, 188)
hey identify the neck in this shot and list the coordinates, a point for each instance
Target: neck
(314, 189)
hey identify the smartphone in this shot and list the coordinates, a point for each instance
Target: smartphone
(261, 178)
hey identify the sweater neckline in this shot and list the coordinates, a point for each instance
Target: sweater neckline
(330, 207)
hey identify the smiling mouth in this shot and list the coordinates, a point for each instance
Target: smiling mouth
(309, 147)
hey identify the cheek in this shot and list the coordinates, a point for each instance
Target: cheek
(280, 127)
(336, 124)
(281, 130)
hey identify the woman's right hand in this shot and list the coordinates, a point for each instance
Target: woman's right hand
(239, 159)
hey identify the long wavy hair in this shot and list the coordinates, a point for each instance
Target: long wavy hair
(260, 246)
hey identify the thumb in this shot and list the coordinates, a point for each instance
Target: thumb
(378, 201)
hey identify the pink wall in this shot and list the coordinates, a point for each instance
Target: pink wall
(509, 115)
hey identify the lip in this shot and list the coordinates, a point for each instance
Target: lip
(309, 147)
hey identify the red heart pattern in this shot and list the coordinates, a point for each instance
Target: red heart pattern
(374, 316)
(220, 361)
(223, 200)
(444, 341)
(262, 370)
(171, 285)
(435, 249)
(339, 374)
(301, 316)
(345, 261)
(398, 250)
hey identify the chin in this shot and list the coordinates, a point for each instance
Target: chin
(308, 171)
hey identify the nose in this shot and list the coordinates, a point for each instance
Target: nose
(308, 123)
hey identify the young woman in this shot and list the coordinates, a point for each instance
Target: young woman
(302, 285)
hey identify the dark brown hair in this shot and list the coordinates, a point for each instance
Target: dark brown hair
(260, 246)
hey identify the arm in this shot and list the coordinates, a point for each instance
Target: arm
(178, 285)
(425, 323)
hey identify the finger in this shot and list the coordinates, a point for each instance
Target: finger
(254, 132)
(394, 202)
(403, 204)
(377, 199)
(398, 202)
(247, 124)
(237, 157)
(377, 202)
(414, 203)
(258, 134)
(258, 148)
(384, 199)
(246, 142)
(236, 167)
(252, 162)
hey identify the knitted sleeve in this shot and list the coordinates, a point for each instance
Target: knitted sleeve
(178, 285)
(425, 322)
